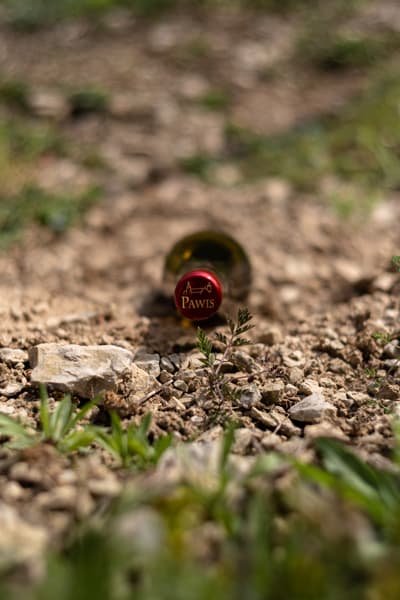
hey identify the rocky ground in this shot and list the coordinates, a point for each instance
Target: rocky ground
(323, 287)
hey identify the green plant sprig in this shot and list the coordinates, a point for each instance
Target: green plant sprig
(219, 387)
(131, 445)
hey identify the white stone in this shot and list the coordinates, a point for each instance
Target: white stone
(311, 409)
(82, 370)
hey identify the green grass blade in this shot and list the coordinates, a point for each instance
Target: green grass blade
(228, 440)
(105, 440)
(20, 438)
(60, 418)
(80, 414)
(136, 445)
(160, 446)
(78, 439)
(144, 427)
(360, 476)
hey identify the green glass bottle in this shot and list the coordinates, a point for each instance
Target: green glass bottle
(204, 269)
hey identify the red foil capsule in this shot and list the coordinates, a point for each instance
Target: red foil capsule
(198, 295)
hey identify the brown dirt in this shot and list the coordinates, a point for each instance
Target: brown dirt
(322, 286)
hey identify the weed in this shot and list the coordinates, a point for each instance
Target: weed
(132, 446)
(61, 427)
(382, 337)
(370, 488)
(396, 262)
(219, 388)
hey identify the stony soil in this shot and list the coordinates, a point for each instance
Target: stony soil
(321, 288)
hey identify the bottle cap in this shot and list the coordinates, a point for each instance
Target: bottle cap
(198, 295)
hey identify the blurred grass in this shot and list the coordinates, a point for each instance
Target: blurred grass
(22, 202)
(32, 204)
(309, 532)
(358, 148)
(36, 13)
(21, 145)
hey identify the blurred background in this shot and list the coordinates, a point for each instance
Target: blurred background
(118, 117)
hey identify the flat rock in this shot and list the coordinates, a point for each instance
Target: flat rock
(311, 409)
(82, 370)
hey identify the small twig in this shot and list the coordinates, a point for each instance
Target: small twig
(150, 395)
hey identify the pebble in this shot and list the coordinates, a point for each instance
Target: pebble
(295, 358)
(264, 418)
(193, 361)
(269, 337)
(148, 362)
(82, 370)
(24, 473)
(249, 396)
(63, 497)
(12, 389)
(311, 409)
(108, 486)
(242, 361)
(175, 359)
(12, 491)
(181, 385)
(48, 104)
(385, 282)
(296, 375)
(291, 389)
(390, 350)
(13, 356)
(20, 541)
(272, 391)
(324, 429)
(389, 392)
(243, 440)
(164, 377)
(288, 428)
(167, 365)
(270, 441)
(309, 386)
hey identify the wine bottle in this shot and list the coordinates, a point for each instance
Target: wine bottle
(203, 268)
